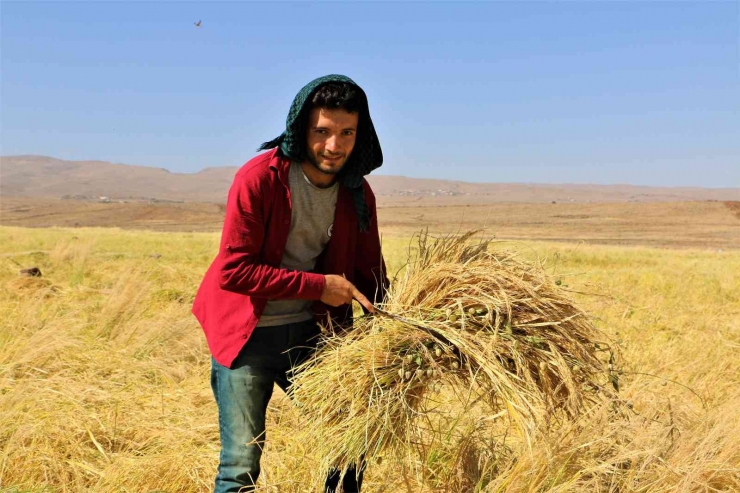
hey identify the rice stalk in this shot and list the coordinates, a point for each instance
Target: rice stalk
(467, 319)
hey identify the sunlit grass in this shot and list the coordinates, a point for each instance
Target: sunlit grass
(104, 374)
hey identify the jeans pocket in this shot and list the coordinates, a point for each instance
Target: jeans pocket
(304, 338)
(308, 333)
(264, 349)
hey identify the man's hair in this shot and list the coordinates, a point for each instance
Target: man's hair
(334, 95)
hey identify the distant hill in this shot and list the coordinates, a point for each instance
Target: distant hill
(40, 176)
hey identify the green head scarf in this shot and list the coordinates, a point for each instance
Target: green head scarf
(366, 155)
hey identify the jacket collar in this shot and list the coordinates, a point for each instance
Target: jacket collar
(280, 164)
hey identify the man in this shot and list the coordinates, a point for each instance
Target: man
(299, 243)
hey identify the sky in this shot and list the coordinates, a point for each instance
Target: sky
(640, 92)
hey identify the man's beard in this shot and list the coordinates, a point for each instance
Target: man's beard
(312, 158)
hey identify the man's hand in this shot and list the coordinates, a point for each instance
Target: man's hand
(339, 291)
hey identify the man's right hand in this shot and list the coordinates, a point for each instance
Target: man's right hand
(339, 291)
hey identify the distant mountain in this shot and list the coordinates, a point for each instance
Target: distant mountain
(40, 176)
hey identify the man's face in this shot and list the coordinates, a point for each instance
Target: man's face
(331, 138)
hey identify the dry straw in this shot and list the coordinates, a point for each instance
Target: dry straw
(465, 318)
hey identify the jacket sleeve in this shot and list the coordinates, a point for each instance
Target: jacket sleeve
(371, 278)
(241, 267)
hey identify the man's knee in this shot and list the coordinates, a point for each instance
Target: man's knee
(239, 467)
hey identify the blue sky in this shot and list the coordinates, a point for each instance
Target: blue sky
(645, 93)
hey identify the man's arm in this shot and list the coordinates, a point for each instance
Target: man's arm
(241, 269)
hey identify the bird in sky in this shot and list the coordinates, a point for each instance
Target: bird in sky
(197, 24)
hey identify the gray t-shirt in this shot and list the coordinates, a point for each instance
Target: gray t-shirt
(311, 225)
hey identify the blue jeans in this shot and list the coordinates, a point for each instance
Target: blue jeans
(242, 394)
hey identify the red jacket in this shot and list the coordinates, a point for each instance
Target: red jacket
(246, 272)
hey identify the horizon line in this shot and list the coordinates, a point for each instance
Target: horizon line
(380, 173)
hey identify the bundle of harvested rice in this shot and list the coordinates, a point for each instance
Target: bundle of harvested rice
(461, 316)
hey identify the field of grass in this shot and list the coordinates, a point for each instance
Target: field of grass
(104, 374)
(708, 224)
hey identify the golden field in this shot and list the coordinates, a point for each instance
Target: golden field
(104, 374)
